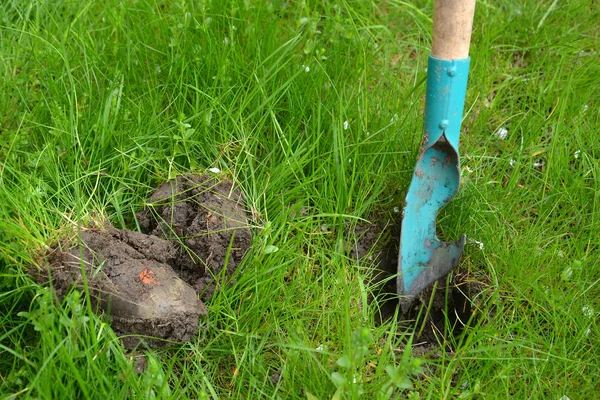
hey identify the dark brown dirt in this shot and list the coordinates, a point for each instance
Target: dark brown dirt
(208, 218)
(129, 278)
(150, 286)
(452, 305)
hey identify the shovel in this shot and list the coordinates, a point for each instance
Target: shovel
(423, 258)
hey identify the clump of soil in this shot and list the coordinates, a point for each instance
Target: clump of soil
(150, 285)
(208, 219)
(129, 277)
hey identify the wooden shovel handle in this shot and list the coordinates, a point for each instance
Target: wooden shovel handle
(452, 24)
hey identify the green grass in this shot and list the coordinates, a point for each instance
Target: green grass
(95, 101)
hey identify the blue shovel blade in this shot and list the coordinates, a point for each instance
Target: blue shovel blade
(424, 258)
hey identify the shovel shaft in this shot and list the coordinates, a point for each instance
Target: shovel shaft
(423, 257)
(452, 24)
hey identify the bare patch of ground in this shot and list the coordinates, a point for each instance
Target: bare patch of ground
(151, 283)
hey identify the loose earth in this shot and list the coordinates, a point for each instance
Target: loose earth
(151, 283)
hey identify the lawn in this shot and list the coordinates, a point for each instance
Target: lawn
(314, 110)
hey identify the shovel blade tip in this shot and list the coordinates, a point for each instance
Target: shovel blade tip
(443, 258)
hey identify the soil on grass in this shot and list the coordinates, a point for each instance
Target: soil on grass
(207, 218)
(128, 276)
(150, 285)
(451, 306)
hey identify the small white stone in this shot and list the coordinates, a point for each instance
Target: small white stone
(307, 69)
(501, 133)
(346, 125)
(214, 170)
